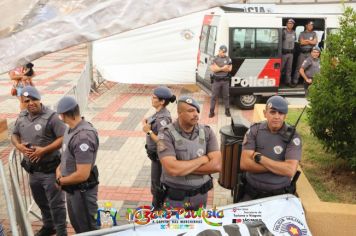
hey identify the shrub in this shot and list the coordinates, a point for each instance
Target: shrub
(332, 96)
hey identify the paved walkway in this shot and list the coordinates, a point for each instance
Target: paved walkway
(116, 111)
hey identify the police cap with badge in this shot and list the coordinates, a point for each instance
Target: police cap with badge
(31, 92)
(190, 101)
(278, 103)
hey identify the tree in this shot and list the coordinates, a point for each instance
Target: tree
(332, 96)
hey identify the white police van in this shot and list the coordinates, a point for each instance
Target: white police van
(254, 42)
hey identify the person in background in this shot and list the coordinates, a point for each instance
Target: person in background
(310, 67)
(307, 39)
(221, 68)
(288, 39)
(161, 97)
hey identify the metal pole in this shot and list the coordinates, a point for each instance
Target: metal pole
(90, 61)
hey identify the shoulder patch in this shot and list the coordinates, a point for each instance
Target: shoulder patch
(84, 147)
(296, 141)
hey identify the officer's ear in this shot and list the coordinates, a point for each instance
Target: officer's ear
(264, 113)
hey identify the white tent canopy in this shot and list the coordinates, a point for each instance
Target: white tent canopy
(32, 28)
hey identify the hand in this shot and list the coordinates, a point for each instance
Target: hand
(36, 155)
(146, 127)
(24, 150)
(309, 81)
(58, 172)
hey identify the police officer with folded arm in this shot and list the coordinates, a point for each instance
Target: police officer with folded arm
(77, 174)
(270, 161)
(189, 153)
(161, 97)
(310, 67)
(307, 39)
(221, 67)
(38, 135)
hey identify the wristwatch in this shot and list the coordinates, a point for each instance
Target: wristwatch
(58, 181)
(257, 158)
(149, 133)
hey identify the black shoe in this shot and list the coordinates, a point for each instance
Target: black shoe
(45, 232)
(211, 114)
(293, 85)
(227, 112)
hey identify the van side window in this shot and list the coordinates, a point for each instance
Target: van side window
(203, 38)
(211, 41)
(254, 43)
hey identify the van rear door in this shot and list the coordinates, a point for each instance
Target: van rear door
(207, 48)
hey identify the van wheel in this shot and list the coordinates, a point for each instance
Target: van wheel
(246, 102)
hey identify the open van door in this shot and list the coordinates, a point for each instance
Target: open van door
(207, 49)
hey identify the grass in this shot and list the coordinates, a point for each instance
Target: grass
(330, 177)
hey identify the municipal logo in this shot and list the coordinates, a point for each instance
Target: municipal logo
(290, 225)
(163, 123)
(38, 127)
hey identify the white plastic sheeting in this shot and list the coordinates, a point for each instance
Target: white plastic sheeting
(35, 28)
(163, 53)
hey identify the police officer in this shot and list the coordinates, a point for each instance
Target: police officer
(268, 159)
(189, 153)
(161, 97)
(38, 135)
(221, 67)
(310, 67)
(307, 40)
(288, 39)
(77, 173)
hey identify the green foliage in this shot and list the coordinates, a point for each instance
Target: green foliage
(333, 93)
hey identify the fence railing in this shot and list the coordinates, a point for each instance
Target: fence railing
(21, 194)
(8, 203)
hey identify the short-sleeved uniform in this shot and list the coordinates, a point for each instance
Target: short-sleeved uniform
(42, 130)
(157, 121)
(80, 146)
(305, 52)
(258, 138)
(288, 40)
(200, 141)
(221, 82)
(311, 67)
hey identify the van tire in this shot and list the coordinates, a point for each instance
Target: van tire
(246, 101)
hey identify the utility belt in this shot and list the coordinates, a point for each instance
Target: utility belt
(287, 51)
(305, 50)
(180, 194)
(91, 182)
(44, 167)
(255, 193)
(152, 154)
(219, 78)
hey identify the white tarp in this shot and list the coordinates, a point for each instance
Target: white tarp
(35, 28)
(162, 53)
(279, 215)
